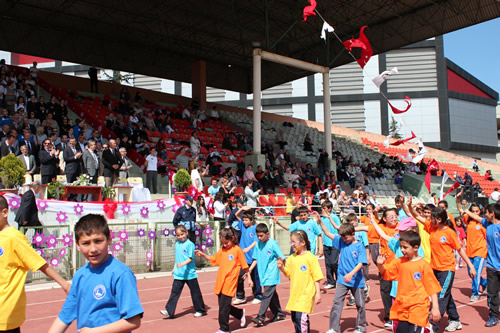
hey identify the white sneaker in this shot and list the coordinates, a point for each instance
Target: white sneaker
(256, 301)
(358, 330)
(164, 313)
(243, 319)
(199, 314)
(329, 286)
(453, 326)
(239, 301)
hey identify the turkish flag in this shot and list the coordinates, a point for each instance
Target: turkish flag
(397, 111)
(363, 43)
(454, 187)
(399, 142)
(432, 166)
(309, 10)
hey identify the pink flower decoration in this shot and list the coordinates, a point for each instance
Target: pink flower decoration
(78, 209)
(42, 205)
(160, 204)
(54, 262)
(38, 239)
(61, 217)
(210, 241)
(14, 203)
(175, 207)
(144, 211)
(208, 231)
(149, 255)
(197, 246)
(152, 234)
(123, 235)
(203, 247)
(166, 232)
(117, 247)
(141, 232)
(125, 209)
(62, 253)
(197, 232)
(51, 241)
(172, 232)
(40, 252)
(148, 263)
(67, 240)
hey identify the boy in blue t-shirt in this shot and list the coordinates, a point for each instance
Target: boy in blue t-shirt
(265, 258)
(350, 277)
(103, 292)
(184, 273)
(309, 226)
(332, 222)
(247, 242)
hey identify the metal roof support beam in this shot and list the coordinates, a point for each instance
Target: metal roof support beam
(258, 56)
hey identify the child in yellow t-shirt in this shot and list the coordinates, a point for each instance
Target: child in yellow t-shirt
(16, 257)
(304, 272)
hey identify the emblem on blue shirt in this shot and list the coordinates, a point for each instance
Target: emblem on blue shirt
(184, 251)
(230, 257)
(309, 230)
(251, 235)
(497, 234)
(99, 292)
(443, 239)
(354, 254)
(1, 251)
(269, 252)
(417, 276)
(303, 268)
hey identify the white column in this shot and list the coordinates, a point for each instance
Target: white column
(327, 121)
(257, 101)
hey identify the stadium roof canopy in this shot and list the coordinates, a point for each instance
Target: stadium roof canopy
(163, 38)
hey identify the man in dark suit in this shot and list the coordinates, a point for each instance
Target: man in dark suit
(72, 156)
(27, 214)
(28, 142)
(112, 162)
(91, 162)
(7, 146)
(49, 161)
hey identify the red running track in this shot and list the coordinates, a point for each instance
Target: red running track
(44, 305)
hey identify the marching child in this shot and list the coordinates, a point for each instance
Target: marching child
(410, 311)
(104, 292)
(332, 223)
(184, 273)
(230, 259)
(17, 257)
(352, 259)
(265, 258)
(304, 272)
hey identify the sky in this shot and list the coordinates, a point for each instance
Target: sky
(477, 50)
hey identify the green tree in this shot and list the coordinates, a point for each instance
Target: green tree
(393, 127)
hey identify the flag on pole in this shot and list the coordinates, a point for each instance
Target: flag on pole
(443, 181)
(363, 43)
(432, 166)
(453, 187)
(400, 142)
(309, 10)
(326, 28)
(379, 79)
(407, 100)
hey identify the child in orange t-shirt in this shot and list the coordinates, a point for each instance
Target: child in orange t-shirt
(410, 311)
(230, 259)
(373, 237)
(443, 239)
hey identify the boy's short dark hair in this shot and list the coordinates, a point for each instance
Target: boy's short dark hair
(90, 224)
(410, 237)
(248, 215)
(429, 207)
(261, 227)
(398, 198)
(327, 204)
(346, 229)
(492, 208)
(301, 210)
(444, 202)
(3, 203)
(351, 217)
(180, 227)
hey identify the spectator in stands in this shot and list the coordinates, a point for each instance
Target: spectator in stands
(34, 71)
(475, 166)
(220, 207)
(186, 114)
(7, 147)
(249, 175)
(316, 186)
(49, 159)
(373, 200)
(82, 142)
(280, 139)
(195, 144)
(73, 159)
(308, 144)
(91, 162)
(197, 177)
(243, 143)
(10, 97)
(40, 135)
(251, 194)
(64, 142)
(487, 175)
(112, 162)
(323, 162)
(140, 147)
(19, 104)
(333, 200)
(214, 188)
(151, 165)
(28, 161)
(182, 161)
(343, 201)
(92, 72)
(226, 142)
(495, 195)
(202, 214)
(214, 114)
(126, 163)
(267, 182)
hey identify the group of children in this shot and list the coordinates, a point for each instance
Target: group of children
(416, 265)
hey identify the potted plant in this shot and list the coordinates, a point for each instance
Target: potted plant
(55, 190)
(12, 172)
(108, 192)
(182, 180)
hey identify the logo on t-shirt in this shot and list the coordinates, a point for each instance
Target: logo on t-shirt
(478, 227)
(184, 251)
(269, 252)
(396, 235)
(417, 276)
(303, 268)
(99, 292)
(230, 257)
(354, 254)
(496, 234)
(443, 239)
(251, 235)
(1, 251)
(309, 230)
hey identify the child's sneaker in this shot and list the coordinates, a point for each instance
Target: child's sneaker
(165, 313)
(329, 286)
(351, 301)
(200, 314)
(243, 319)
(358, 330)
(475, 298)
(279, 317)
(491, 322)
(239, 301)
(388, 324)
(256, 301)
(453, 326)
(258, 321)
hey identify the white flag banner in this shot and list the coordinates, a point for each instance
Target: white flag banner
(326, 27)
(379, 79)
(443, 181)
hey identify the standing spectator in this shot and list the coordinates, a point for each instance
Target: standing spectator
(214, 114)
(48, 157)
(195, 144)
(7, 146)
(126, 164)
(323, 162)
(91, 162)
(72, 156)
(186, 216)
(28, 161)
(34, 71)
(93, 79)
(308, 143)
(182, 161)
(27, 214)
(251, 195)
(112, 162)
(197, 178)
(152, 171)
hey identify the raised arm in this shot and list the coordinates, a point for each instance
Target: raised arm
(276, 221)
(412, 211)
(323, 226)
(379, 230)
(468, 212)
